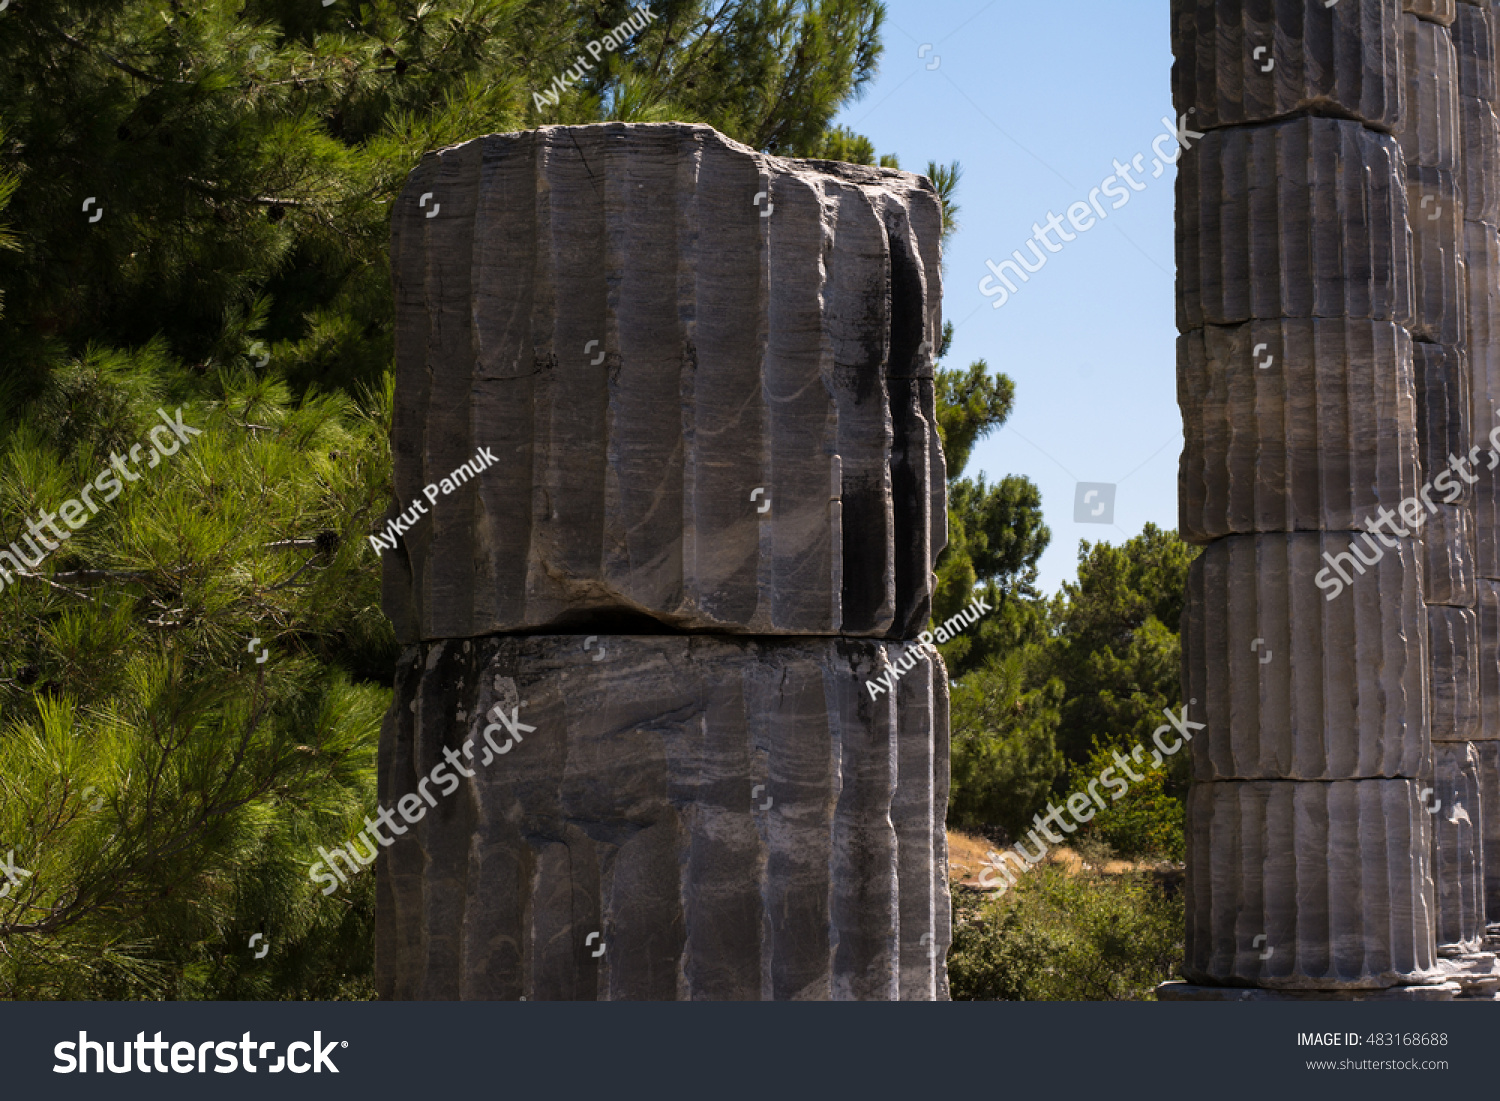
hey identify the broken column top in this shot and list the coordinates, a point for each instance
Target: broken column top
(705, 376)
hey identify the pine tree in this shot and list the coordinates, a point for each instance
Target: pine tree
(198, 201)
(995, 532)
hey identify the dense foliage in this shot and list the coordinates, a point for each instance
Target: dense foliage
(198, 200)
(1061, 937)
(195, 203)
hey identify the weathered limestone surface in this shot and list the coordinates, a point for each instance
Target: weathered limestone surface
(1429, 130)
(1439, 11)
(1294, 425)
(1437, 221)
(704, 418)
(1474, 41)
(1484, 360)
(1345, 59)
(738, 819)
(1293, 685)
(1304, 218)
(1443, 404)
(1480, 147)
(1457, 849)
(1297, 885)
(1453, 649)
(705, 377)
(1486, 527)
(1325, 658)
(1483, 261)
(1489, 797)
(1489, 660)
(1447, 541)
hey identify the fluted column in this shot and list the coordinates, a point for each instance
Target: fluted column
(1437, 76)
(694, 562)
(1305, 295)
(1473, 31)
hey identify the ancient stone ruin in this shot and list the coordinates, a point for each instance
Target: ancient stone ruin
(646, 630)
(1339, 364)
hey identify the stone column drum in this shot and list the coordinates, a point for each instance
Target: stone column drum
(639, 639)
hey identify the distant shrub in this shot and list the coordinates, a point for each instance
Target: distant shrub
(1056, 937)
(1147, 822)
(1004, 747)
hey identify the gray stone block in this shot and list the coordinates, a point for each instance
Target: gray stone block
(736, 819)
(1489, 825)
(1453, 654)
(1483, 262)
(1243, 63)
(1447, 542)
(1437, 223)
(1294, 425)
(1309, 885)
(1488, 609)
(1443, 407)
(1303, 218)
(1474, 42)
(1429, 130)
(704, 418)
(1480, 154)
(1457, 848)
(1293, 685)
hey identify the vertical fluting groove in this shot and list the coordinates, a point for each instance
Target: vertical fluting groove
(448, 251)
(913, 812)
(798, 552)
(911, 449)
(1474, 44)
(1294, 425)
(641, 228)
(508, 384)
(1488, 609)
(1429, 132)
(1453, 645)
(1489, 827)
(1300, 687)
(857, 324)
(619, 399)
(573, 326)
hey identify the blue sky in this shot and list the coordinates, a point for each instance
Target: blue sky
(1038, 101)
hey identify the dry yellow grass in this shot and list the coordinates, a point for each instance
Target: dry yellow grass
(967, 855)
